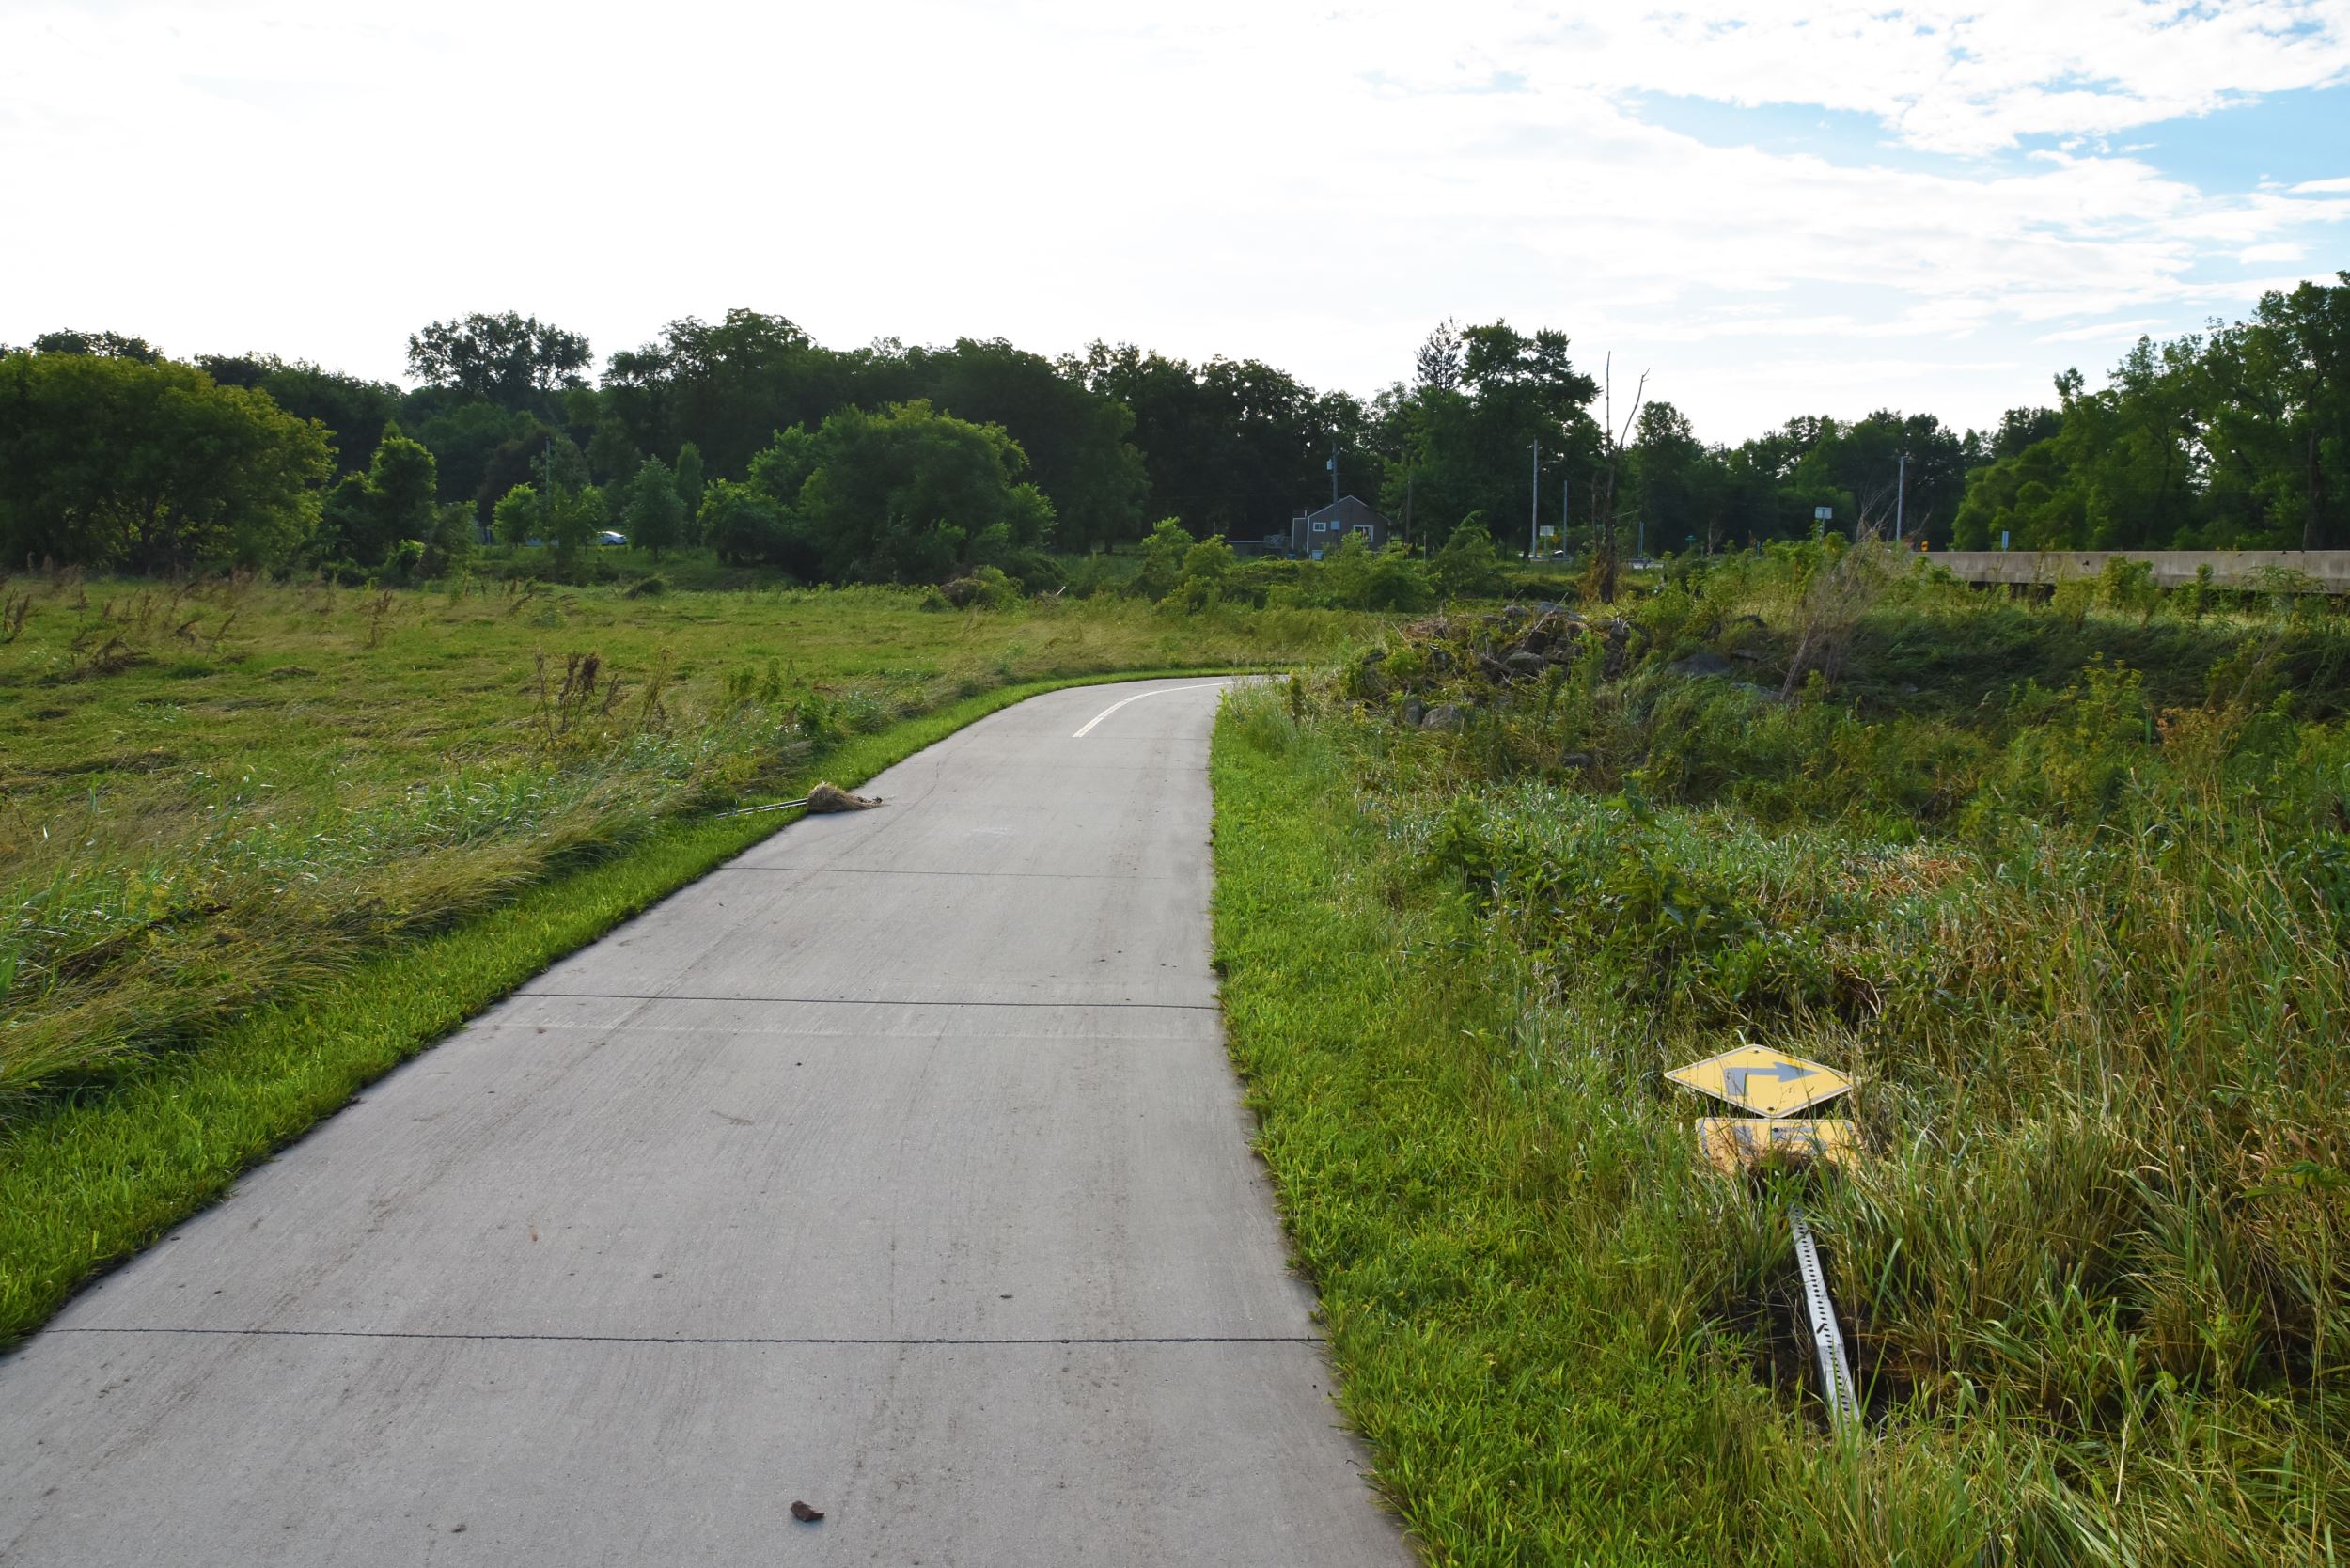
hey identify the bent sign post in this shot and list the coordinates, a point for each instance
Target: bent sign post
(1775, 1086)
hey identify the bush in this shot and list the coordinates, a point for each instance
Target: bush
(1467, 566)
(986, 589)
(1036, 570)
(1163, 552)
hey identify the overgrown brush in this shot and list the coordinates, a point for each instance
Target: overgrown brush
(2083, 937)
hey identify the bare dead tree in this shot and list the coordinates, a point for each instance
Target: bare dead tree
(1603, 565)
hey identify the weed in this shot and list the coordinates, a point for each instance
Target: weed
(2063, 886)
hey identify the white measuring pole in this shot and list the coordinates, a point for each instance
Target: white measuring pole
(1827, 1340)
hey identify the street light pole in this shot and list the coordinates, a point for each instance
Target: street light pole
(1534, 503)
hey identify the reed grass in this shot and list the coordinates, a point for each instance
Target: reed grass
(2082, 944)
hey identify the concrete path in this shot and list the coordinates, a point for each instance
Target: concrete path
(896, 1166)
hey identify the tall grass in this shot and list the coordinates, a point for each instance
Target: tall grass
(2077, 926)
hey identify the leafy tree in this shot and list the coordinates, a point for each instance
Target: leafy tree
(1232, 447)
(114, 461)
(907, 494)
(98, 345)
(1465, 440)
(1076, 438)
(519, 516)
(657, 513)
(1206, 568)
(689, 486)
(1396, 582)
(515, 361)
(467, 439)
(368, 515)
(1164, 551)
(612, 457)
(2276, 423)
(726, 388)
(575, 518)
(561, 468)
(353, 410)
(741, 523)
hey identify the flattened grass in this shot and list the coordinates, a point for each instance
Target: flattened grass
(217, 795)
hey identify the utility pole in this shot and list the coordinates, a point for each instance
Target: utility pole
(1901, 488)
(1408, 504)
(1334, 471)
(1566, 511)
(1534, 504)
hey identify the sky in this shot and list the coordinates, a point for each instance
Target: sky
(1765, 210)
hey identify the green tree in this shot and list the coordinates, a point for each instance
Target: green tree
(367, 516)
(907, 494)
(657, 513)
(689, 488)
(741, 523)
(575, 518)
(353, 410)
(1074, 437)
(517, 362)
(1162, 554)
(2276, 418)
(100, 345)
(114, 461)
(612, 457)
(518, 516)
(1207, 565)
(465, 440)
(1466, 437)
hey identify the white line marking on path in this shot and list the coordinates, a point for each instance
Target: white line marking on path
(1137, 697)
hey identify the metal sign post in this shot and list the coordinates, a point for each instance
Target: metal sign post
(1827, 1340)
(1775, 1086)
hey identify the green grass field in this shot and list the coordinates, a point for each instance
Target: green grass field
(2064, 889)
(262, 842)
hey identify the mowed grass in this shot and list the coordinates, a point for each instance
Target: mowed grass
(2085, 950)
(254, 861)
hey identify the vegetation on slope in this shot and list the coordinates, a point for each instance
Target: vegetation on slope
(2063, 887)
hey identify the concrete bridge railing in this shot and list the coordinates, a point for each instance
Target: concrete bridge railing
(2325, 570)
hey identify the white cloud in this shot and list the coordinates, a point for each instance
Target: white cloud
(1307, 186)
(2108, 332)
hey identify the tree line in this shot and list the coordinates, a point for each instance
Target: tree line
(748, 437)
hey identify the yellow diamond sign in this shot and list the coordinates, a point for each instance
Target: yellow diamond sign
(1767, 1082)
(1735, 1142)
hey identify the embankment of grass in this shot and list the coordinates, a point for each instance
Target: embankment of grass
(1514, 1340)
(89, 1178)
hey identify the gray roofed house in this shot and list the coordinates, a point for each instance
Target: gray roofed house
(1312, 532)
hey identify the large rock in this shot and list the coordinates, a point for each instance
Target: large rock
(1703, 661)
(1445, 716)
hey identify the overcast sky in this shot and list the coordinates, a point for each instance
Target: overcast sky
(1818, 209)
